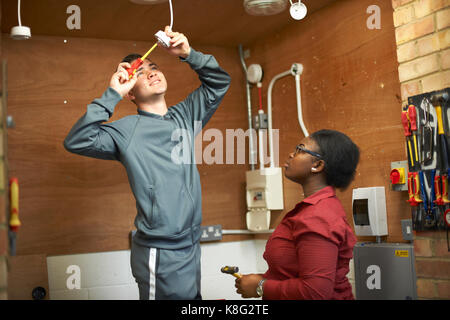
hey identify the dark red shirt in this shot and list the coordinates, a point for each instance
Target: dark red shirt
(308, 254)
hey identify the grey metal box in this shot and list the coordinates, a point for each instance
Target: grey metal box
(384, 271)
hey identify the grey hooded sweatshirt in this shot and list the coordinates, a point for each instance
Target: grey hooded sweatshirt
(163, 176)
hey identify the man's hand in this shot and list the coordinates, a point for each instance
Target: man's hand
(246, 285)
(179, 45)
(120, 80)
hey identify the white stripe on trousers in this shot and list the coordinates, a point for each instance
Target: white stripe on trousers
(152, 269)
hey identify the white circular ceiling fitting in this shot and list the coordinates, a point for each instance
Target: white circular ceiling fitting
(20, 33)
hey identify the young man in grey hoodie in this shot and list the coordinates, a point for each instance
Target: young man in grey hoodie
(165, 253)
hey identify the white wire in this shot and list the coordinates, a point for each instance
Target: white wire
(171, 14)
(18, 12)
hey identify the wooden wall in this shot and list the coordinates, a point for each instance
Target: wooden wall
(72, 204)
(349, 83)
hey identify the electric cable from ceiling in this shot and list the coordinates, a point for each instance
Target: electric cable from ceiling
(18, 13)
(171, 14)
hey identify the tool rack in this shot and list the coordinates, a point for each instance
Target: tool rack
(427, 142)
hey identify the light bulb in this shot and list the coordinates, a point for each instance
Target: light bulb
(298, 10)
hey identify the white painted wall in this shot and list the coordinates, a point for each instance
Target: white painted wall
(107, 275)
(104, 275)
(247, 255)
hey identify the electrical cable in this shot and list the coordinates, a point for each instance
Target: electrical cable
(171, 14)
(161, 37)
(18, 12)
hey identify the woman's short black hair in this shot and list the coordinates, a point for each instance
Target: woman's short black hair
(340, 154)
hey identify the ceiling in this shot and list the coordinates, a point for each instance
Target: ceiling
(205, 22)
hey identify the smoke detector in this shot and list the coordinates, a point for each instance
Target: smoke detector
(264, 7)
(148, 1)
(20, 32)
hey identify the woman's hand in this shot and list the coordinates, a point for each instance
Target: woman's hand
(246, 285)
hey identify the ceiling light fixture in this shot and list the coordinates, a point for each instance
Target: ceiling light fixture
(264, 7)
(20, 32)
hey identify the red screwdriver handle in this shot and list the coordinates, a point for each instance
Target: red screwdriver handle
(445, 189)
(416, 188)
(405, 122)
(437, 188)
(412, 117)
(136, 64)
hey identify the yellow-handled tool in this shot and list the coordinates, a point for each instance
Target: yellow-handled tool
(437, 100)
(234, 271)
(14, 222)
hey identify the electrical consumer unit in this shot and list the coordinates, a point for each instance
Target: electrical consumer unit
(265, 189)
(369, 211)
(264, 193)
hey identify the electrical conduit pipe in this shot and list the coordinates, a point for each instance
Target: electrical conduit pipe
(249, 111)
(296, 70)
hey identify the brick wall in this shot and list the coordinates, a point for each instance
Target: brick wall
(423, 51)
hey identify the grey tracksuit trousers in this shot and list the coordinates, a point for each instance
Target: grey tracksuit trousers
(158, 155)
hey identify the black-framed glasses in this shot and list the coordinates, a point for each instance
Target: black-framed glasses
(299, 148)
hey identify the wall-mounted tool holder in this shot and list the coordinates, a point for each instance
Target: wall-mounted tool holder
(426, 121)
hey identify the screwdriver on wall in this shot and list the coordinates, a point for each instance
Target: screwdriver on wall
(412, 116)
(437, 101)
(14, 222)
(406, 123)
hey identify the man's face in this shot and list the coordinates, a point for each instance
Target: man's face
(150, 82)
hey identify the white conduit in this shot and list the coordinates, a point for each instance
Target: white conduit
(295, 71)
(260, 145)
(246, 231)
(269, 112)
(299, 105)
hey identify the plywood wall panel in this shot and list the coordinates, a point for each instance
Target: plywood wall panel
(26, 273)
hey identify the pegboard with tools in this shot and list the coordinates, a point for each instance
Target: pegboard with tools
(426, 121)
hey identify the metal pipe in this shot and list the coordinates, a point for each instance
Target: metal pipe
(269, 112)
(299, 105)
(246, 231)
(249, 112)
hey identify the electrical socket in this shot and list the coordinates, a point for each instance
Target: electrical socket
(211, 233)
(407, 229)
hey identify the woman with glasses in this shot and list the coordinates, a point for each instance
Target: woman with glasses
(308, 254)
